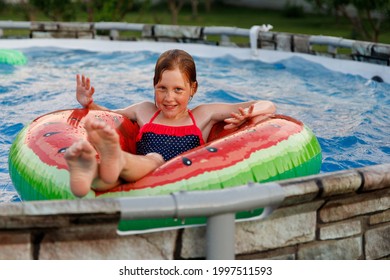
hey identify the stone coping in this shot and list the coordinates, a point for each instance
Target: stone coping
(66, 213)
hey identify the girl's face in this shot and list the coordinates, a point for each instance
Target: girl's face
(173, 93)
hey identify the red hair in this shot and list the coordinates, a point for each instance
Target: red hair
(173, 59)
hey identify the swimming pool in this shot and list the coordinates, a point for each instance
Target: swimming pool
(348, 112)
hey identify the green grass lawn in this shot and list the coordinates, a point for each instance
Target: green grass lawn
(223, 15)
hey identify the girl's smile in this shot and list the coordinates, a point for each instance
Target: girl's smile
(172, 94)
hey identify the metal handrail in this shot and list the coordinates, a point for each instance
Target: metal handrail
(207, 30)
(219, 206)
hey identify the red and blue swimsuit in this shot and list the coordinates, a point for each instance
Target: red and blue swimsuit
(168, 141)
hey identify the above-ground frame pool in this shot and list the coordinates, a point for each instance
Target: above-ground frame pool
(338, 99)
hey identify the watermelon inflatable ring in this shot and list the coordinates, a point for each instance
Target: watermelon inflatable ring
(262, 150)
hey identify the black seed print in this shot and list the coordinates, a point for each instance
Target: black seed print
(50, 134)
(62, 150)
(212, 149)
(186, 161)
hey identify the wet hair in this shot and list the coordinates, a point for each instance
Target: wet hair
(173, 59)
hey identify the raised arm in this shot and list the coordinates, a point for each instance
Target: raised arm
(84, 93)
(139, 112)
(234, 114)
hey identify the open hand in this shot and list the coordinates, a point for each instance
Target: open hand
(84, 91)
(238, 119)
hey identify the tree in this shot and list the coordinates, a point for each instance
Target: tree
(367, 18)
(174, 8)
(176, 5)
(107, 10)
(56, 10)
(208, 5)
(194, 6)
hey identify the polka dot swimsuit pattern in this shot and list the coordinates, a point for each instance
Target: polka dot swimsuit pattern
(168, 141)
(166, 145)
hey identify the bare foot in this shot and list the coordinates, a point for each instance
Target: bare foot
(106, 141)
(81, 159)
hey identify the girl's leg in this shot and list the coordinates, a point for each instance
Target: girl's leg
(130, 173)
(106, 141)
(115, 163)
(81, 160)
(83, 169)
(137, 166)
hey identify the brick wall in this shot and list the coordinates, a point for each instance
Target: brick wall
(341, 215)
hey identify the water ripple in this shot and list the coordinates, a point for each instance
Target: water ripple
(348, 113)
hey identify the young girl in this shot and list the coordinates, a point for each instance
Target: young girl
(167, 127)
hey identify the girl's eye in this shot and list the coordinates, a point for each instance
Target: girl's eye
(161, 89)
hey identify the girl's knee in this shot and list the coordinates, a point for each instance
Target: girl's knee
(159, 160)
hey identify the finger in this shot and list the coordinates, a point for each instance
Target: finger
(237, 116)
(228, 126)
(231, 126)
(229, 120)
(87, 83)
(232, 121)
(243, 112)
(251, 108)
(78, 79)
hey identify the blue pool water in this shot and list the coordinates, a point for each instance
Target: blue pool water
(348, 113)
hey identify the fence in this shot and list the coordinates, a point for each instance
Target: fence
(258, 37)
